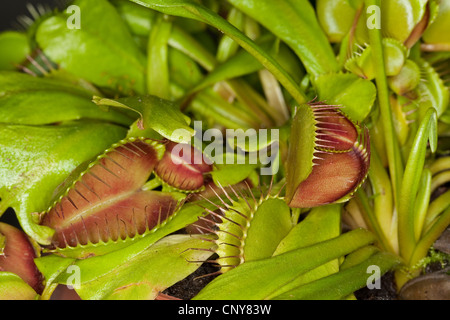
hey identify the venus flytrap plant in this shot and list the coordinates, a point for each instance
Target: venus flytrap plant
(109, 182)
(130, 178)
(115, 48)
(44, 168)
(433, 39)
(182, 168)
(324, 141)
(19, 48)
(192, 10)
(206, 103)
(16, 258)
(398, 219)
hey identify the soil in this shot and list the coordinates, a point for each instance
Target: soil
(188, 288)
(387, 290)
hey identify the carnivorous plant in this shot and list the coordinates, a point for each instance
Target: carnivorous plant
(142, 140)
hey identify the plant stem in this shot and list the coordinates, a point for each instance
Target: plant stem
(441, 164)
(196, 11)
(187, 44)
(295, 215)
(440, 179)
(436, 208)
(372, 220)
(422, 247)
(382, 190)
(392, 146)
(158, 82)
(422, 202)
(407, 204)
(152, 184)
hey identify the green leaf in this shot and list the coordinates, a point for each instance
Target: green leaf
(163, 116)
(335, 18)
(193, 10)
(407, 80)
(294, 22)
(411, 180)
(433, 34)
(184, 71)
(358, 256)
(232, 173)
(343, 283)
(138, 19)
(399, 18)
(261, 278)
(422, 202)
(322, 223)
(101, 51)
(227, 47)
(121, 276)
(187, 43)
(51, 266)
(270, 224)
(12, 287)
(158, 82)
(395, 54)
(251, 140)
(15, 48)
(242, 63)
(25, 99)
(30, 173)
(300, 156)
(182, 37)
(432, 90)
(355, 95)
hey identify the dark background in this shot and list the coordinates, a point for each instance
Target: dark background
(11, 9)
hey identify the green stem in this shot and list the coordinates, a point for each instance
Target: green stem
(382, 190)
(410, 185)
(251, 102)
(372, 220)
(186, 43)
(441, 164)
(158, 82)
(227, 47)
(48, 291)
(440, 179)
(196, 11)
(209, 106)
(422, 202)
(436, 207)
(296, 212)
(152, 184)
(392, 145)
(254, 101)
(430, 237)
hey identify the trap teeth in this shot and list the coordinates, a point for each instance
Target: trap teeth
(107, 201)
(328, 157)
